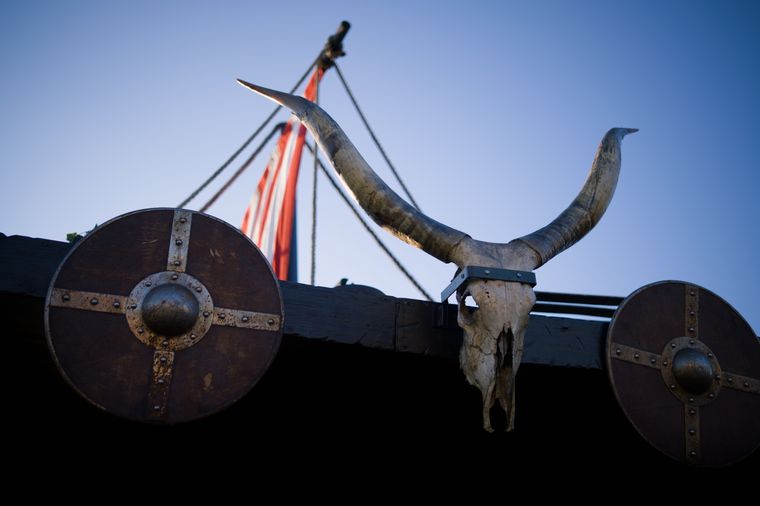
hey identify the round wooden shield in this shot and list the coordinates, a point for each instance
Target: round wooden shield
(163, 316)
(685, 368)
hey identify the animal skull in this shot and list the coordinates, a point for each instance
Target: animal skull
(493, 334)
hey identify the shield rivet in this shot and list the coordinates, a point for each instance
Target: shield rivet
(162, 360)
(245, 319)
(178, 242)
(692, 432)
(94, 301)
(693, 453)
(165, 343)
(730, 379)
(140, 330)
(692, 411)
(711, 396)
(691, 399)
(160, 381)
(221, 316)
(156, 408)
(183, 220)
(148, 283)
(177, 263)
(198, 289)
(672, 345)
(617, 351)
(653, 360)
(206, 313)
(66, 297)
(673, 386)
(746, 385)
(116, 304)
(174, 277)
(193, 336)
(664, 362)
(636, 356)
(270, 321)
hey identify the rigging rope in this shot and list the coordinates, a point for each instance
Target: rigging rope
(277, 128)
(249, 140)
(374, 137)
(314, 204)
(367, 227)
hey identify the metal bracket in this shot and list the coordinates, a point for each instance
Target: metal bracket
(474, 272)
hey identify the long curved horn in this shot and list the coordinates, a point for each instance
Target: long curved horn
(588, 207)
(382, 204)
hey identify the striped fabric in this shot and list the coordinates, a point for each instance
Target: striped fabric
(270, 218)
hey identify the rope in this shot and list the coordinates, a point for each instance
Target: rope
(367, 227)
(314, 205)
(374, 137)
(248, 141)
(277, 128)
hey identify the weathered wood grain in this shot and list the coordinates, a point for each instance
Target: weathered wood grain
(351, 315)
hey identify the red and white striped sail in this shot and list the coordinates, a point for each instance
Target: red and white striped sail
(270, 218)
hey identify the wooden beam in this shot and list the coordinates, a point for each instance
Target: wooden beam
(348, 315)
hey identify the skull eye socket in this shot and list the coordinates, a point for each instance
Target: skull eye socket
(467, 305)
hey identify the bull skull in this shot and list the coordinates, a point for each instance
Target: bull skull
(494, 333)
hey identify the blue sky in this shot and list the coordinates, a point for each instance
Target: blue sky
(492, 111)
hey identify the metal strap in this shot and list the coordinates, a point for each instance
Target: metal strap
(475, 272)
